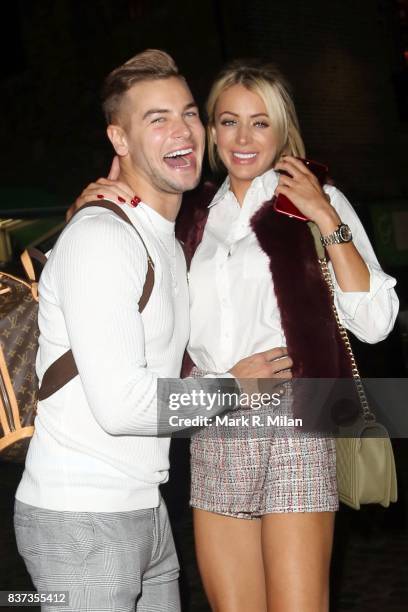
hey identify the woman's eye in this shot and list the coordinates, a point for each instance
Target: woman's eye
(228, 122)
(261, 124)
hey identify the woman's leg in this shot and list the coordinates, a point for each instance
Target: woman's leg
(296, 553)
(229, 555)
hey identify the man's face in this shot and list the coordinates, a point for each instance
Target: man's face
(164, 135)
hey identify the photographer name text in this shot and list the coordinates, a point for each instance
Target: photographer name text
(251, 420)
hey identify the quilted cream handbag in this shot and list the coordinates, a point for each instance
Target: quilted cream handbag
(365, 460)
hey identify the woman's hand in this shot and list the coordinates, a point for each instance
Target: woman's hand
(304, 190)
(104, 188)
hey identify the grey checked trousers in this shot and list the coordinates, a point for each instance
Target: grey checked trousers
(121, 561)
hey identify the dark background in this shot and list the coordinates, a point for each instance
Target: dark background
(344, 59)
(347, 62)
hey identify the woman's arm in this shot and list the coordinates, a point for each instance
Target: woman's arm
(349, 267)
(364, 296)
(370, 314)
(103, 189)
(304, 190)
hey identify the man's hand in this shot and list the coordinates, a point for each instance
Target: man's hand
(104, 188)
(274, 363)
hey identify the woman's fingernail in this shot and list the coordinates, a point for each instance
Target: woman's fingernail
(100, 196)
(135, 201)
(122, 200)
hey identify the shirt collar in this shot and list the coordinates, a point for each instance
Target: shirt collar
(263, 186)
(222, 191)
(159, 222)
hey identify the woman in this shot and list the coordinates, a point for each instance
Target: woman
(264, 507)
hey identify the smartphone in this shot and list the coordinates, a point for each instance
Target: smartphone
(283, 205)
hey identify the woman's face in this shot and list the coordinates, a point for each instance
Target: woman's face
(245, 139)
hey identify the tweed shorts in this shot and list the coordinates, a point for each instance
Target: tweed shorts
(247, 474)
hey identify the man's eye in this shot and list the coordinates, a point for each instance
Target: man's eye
(192, 114)
(158, 120)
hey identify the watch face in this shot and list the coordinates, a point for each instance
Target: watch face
(345, 233)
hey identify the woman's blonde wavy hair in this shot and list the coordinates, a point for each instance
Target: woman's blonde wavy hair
(265, 80)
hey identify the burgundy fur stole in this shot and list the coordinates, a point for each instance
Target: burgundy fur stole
(302, 294)
(192, 217)
(190, 226)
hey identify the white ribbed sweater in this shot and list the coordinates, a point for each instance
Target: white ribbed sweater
(91, 450)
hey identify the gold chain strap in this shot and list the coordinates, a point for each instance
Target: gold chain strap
(368, 416)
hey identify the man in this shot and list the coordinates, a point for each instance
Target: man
(89, 518)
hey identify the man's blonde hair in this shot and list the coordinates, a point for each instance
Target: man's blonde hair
(150, 65)
(265, 80)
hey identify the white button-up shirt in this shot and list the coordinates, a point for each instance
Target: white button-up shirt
(234, 311)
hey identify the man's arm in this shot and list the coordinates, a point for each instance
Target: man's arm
(99, 270)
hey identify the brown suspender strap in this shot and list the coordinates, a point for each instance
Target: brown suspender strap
(57, 375)
(27, 257)
(37, 255)
(147, 287)
(64, 368)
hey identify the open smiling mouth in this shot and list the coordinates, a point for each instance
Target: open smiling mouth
(182, 158)
(243, 157)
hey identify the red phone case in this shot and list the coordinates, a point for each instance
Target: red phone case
(283, 205)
